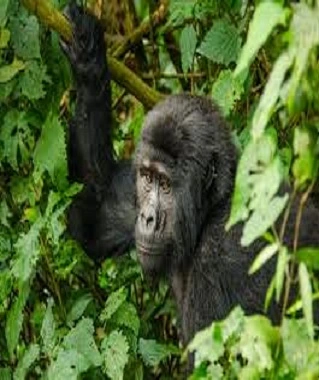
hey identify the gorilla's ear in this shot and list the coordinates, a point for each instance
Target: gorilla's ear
(210, 175)
(221, 175)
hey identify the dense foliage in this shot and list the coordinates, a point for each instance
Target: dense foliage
(61, 316)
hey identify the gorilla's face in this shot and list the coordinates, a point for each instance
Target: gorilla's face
(182, 173)
(154, 225)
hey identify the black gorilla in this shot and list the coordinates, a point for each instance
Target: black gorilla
(173, 202)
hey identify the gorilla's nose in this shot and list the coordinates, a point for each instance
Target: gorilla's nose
(148, 220)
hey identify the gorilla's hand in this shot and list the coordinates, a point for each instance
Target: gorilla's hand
(86, 50)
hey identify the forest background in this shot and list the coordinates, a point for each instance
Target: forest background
(61, 316)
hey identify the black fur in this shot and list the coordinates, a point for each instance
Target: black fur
(207, 267)
(102, 216)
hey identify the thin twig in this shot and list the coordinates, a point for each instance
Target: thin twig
(173, 75)
(144, 29)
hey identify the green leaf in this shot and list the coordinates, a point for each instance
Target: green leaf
(205, 346)
(114, 301)
(209, 344)
(78, 307)
(309, 256)
(227, 90)
(12, 132)
(267, 16)
(4, 37)
(81, 339)
(8, 72)
(28, 251)
(5, 374)
(5, 214)
(280, 271)
(29, 357)
(77, 353)
(126, 315)
(48, 329)
(258, 178)
(153, 353)
(257, 342)
(271, 94)
(262, 219)
(305, 166)
(115, 354)
(50, 151)
(305, 36)
(54, 216)
(25, 37)
(180, 10)
(270, 291)
(188, 41)
(15, 319)
(3, 12)
(263, 256)
(300, 352)
(221, 43)
(306, 297)
(31, 81)
(68, 365)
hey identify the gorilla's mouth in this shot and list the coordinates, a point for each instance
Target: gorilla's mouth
(153, 250)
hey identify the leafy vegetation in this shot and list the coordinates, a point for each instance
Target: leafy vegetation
(62, 317)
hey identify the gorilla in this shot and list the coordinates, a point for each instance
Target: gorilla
(172, 201)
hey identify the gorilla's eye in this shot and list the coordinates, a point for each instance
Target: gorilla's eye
(165, 184)
(146, 175)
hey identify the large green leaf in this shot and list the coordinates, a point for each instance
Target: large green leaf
(32, 80)
(126, 315)
(28, 251)
(81, 339)
(77, 353)
(15, 318)
(227, 90)
(50, 151)
(268, 14)
(180, 10)
(209, 344)
(300, 352)
(271, 94)
(12, 133)
(153, 352)
(3, 12)
(25, 36)
(188, 41)
(258, 178)
(114, 301)
(115, 354)
(79, 306)
(29, 357)
(221, 43)
(257, 342)
(305, 36)
(263, 218)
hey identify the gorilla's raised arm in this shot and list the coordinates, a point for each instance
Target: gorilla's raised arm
(102, 216)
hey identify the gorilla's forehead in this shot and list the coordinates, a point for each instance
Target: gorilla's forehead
(156, 165)
(148, 155)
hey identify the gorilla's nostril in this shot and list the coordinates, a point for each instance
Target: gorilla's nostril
(149, 221)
